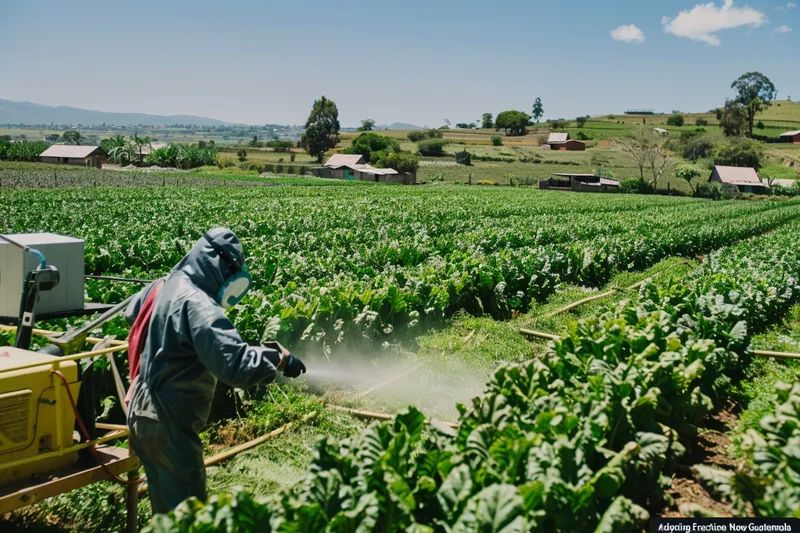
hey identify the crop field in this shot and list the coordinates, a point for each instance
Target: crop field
(412, 296)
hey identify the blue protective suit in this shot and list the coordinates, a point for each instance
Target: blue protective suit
(189, 346)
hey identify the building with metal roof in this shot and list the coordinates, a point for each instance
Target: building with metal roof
(577, 182)
(744, 178)
(74, 154)
(790, 137)
(353, 167)
(345, 160)
(561, 141)
(556, 137)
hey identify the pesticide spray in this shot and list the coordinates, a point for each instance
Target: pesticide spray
(394, 381)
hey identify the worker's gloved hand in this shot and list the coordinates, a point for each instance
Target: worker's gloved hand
(293, 367)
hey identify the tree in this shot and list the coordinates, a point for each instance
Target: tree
(688, 173)
(403, 162)
(638, 145)
(538, 110)
(141, 142)
(53, 137)
(755, 92)
(370, 144)
(71, 137)
(486, 121)
(465, 126)
(733, 119)
(446, 124)
(416, 136)
(675, 120)
(513, 122)
(659, 162)
(367, 125)
(497, 140)
(739, 152)
(581, 121)
(322, 129)
(242, 155)
(431, 147)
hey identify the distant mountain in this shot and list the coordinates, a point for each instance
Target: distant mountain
(403, 126)
(33, 114)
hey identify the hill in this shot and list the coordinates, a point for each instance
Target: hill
(34, 114)
(402, 126)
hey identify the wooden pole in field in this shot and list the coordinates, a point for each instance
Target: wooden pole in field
(757, 353)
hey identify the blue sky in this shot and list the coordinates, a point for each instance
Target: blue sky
(415, 61)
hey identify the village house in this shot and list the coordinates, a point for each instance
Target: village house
(561, 141)
(792, 137)
(353, 167)
(78, 155)
(744, 178)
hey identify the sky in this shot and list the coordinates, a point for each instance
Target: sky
(420, 62)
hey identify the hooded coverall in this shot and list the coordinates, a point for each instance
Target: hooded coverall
(190, 344)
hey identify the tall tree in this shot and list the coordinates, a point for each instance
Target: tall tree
(538, 110)
(367, 125)
(486, 121)
(322, 128)
(755, 92)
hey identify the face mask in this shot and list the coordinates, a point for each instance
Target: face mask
(235, 289)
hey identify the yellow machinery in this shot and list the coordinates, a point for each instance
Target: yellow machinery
(32, 422)
(41, 398)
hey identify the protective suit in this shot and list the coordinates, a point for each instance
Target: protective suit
(189, 345)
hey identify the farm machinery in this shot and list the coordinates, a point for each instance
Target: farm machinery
(50, 442)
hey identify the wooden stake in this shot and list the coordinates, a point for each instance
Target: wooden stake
(379, 416)
(541, 335)
(757, 353)
(573, 305)
(783, 355)
(227, 454)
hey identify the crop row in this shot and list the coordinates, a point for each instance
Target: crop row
(583, 439)
(375, 262)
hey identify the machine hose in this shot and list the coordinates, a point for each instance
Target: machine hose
(125, 482)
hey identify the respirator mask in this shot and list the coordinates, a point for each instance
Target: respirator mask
(235, 287)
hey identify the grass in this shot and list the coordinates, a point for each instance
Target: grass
(759, 389)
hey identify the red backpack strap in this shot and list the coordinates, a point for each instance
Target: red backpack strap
(138, 335)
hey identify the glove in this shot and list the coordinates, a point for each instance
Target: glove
(293, 367)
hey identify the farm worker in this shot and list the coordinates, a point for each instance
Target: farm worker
(178, 355)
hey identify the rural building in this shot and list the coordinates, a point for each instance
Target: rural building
(354, 168)
(744, 178)
(561, 141)
(580, 183)
(792, 137)
(70, 154)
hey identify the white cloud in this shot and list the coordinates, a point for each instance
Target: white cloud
(787, 7)
(782, 29)
(703, 21)
(628, 34)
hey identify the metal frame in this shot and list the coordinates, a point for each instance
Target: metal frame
(114, 461)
